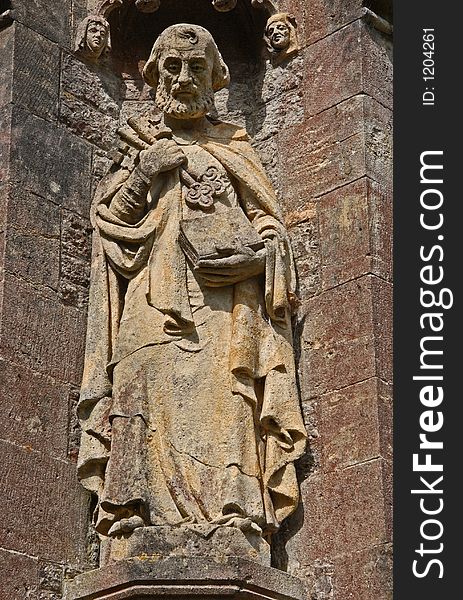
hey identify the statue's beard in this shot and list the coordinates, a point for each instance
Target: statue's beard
(192, 109)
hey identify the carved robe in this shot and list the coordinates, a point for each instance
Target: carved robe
(189, 406)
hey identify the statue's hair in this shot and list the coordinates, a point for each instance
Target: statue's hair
(81, 35)
(191, 33)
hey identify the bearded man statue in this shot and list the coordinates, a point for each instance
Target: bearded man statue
(189, 405)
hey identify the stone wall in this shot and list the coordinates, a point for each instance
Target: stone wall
(45, 173)
(322, 125)
(336, 186)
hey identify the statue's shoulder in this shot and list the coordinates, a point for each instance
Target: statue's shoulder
(146, 126)
(222, 130)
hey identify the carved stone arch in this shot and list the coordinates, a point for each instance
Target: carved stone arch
(239, 32)
(107, 6)
(6, 13)
(382, 8)
(379, 15)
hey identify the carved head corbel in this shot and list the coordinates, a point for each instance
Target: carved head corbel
(281, 37)
(93, 37)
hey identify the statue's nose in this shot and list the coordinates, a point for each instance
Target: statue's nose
(185, 74)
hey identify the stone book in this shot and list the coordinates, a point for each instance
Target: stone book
(217, 235)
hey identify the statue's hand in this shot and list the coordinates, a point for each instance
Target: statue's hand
(242, 264)
(164, 155)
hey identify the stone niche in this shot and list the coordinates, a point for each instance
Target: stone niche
(214, 562)
(239, 35)
(150, 578)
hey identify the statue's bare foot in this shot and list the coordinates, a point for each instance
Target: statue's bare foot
(126, 526)
(246, 524)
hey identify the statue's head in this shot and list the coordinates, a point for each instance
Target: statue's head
(281, 36)
(185, 69)
(278, 34)
(93, 36)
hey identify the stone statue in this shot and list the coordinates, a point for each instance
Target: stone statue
(93, 37)
(189, 406)
(281, 37)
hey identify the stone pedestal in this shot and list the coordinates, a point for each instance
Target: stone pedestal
(213, 541)
(182, 578)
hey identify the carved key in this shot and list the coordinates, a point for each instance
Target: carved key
(200, 193)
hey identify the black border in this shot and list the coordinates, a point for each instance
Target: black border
(419, 128)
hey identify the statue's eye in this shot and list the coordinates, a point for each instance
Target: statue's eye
(173, 66)
(197, 67)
